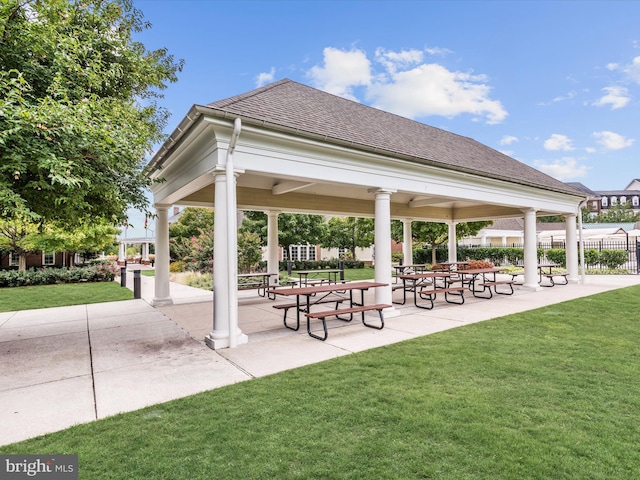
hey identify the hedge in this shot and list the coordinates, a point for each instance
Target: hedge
(47, 276)
(611, 259)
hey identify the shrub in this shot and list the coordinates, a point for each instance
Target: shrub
(613, 258)
(473, 264)
(557, 255)
(176, 267)
(49, 276)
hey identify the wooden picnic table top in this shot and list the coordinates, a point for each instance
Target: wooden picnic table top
(325, 288)
(418, 276)
(319, 270)
(476, 271)
(256, 274)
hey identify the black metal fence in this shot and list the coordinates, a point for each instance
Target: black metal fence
(630, 246)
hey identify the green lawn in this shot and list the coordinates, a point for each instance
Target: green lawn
(547, 394)
(45, 296)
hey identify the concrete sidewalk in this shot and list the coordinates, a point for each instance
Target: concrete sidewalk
(68, 365)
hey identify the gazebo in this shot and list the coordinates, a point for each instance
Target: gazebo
(287, 147)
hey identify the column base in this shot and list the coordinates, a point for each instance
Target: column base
(391, 312)
(532, 288)
(161, 302)
(218, 343)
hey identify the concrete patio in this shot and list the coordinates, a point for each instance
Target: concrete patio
(69, 365)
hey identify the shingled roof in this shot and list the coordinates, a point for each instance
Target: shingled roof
(311, 112)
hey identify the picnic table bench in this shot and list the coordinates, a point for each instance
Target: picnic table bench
(329, 293)
(255, 281)
(425, 286)
(479, 278)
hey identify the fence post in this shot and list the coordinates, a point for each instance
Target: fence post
(637, 256)
(123, 276)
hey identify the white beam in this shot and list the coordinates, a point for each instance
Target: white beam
(289, 186)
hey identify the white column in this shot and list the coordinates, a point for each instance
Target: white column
(572, 248)
(382, 242)
(219, 335)
(272, 246)
(530, 251)
(145, 252)
(453, 242)
(407, 245)
(162, 290)
(223, 302)
(504, 240)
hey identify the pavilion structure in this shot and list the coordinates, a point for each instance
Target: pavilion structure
(287, 147)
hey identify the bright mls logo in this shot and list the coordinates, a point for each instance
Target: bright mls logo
(50, 467)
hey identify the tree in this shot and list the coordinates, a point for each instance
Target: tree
(23, 237)
(293, 229)
(78, 110)
(435, 234)
(349, 233)
(19, 237)
(618, 213)
(191, 221)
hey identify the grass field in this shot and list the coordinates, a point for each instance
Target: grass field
(45, 296)
(546, 394)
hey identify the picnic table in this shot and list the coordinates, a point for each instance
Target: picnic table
(259, 281)
(545, 270)
(319, 276)
(485, 278)
(449, 266)
(338, 293)
(406, 269)
(425, 286)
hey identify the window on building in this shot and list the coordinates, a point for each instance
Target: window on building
(635, 201)
(48, 258)
(623, 200)
(14, 259)
(303, 252)
(614, 200)
(605, 201)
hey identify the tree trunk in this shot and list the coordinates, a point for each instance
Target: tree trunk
(22, 262)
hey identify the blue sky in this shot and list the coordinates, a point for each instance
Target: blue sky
(554, 84)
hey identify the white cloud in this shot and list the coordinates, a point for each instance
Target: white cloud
(568, 96)
(564, 169)
(612, 141)
(616, 97)
(508, 140)
(438, 51)
(405, 85)
(431, 89)
(342, 71)
(392, 61)
(558, 142)
(633, 70)
(265, 77)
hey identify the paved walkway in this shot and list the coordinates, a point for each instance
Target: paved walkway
(68, 365)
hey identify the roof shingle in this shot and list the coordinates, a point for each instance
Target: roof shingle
(293, 105)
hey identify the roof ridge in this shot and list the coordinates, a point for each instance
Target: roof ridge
(225, 102)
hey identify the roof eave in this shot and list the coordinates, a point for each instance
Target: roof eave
(197, 111)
